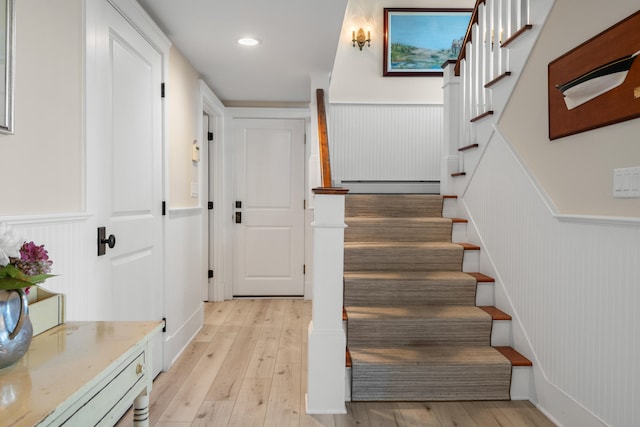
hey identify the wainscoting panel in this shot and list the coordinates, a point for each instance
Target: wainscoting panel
(573, 286)
(377, 142)
(65, 239)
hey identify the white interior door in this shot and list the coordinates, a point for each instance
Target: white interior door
(125, 129)
(269, 209)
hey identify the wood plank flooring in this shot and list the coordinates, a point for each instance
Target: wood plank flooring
(247, 367)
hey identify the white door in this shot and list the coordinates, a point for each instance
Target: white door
(269, 207)
(125, 143)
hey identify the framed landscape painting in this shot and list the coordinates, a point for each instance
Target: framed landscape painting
(418, 41)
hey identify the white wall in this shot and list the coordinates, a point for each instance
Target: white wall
(183, 99)
(357, 75)
(572, 287)
(570, 281)
(42, 163)
(576, 171)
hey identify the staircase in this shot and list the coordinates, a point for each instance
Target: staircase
(414, 331)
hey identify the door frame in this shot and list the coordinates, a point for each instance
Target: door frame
(213, 154)
(229, 173)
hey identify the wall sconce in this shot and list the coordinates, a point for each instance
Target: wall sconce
(360, 38)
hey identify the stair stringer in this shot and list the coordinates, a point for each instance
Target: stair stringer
(522, 382)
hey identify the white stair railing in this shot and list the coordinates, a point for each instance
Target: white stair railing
(484, 61)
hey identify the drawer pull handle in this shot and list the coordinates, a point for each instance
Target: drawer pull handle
(139, 368)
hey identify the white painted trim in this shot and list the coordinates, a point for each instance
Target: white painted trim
(189, 329)
(185, 210)
(377, 102)
(136, 15)
(213, 107)
(268, 113)
(46, 218)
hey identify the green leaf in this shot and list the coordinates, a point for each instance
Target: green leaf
(8, 283)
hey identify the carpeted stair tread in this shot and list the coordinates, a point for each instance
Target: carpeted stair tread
(409, 256)
(409, 288)
(429, 373)
(413, 330)
(417, 326)
(391, 313)
(393, 205)
(406, 276)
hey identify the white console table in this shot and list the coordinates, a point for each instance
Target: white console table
(81, 374)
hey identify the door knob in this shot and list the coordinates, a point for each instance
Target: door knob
(104, 241)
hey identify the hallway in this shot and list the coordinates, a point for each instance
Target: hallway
(247, 367)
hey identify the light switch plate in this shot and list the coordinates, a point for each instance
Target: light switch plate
(626, 182)
(194, 190)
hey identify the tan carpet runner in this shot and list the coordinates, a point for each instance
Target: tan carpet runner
(414, 332)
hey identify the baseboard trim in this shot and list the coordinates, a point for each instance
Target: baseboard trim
(176, 344)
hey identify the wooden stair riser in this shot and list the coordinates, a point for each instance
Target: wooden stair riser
(471, 261)
(450, 207)
(521, 382)
(485, 294)
(418, 332)
(429, 373)
(418, 257)
(393, 206)
(459, 232)
(429, 386)
(519, 389)
(383, 292)
(379, 231)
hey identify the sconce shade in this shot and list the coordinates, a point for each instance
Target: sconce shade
(360, 39)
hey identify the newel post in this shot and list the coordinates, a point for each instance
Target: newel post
(327, 340)
(451, 130)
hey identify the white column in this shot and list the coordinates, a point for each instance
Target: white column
(451, 131)
(327, 340)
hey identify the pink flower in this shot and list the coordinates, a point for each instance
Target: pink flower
(34, 259)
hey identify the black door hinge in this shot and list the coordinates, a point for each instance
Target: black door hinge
(164, 208)
(304, 269)
(210, 205)
(162, 90)
(210, 136)
(164, 324)
(210, 274)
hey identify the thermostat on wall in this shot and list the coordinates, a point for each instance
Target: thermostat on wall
(195, 152)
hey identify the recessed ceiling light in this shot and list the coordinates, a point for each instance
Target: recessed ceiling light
(248, 41)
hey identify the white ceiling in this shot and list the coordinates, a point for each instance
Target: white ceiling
(298, 37)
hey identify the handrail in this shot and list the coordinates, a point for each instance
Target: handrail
(467, 36)
(323, 139)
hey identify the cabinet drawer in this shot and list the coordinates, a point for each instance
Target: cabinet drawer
(126, 379)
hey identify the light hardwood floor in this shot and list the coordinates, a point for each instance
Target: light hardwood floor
(247, 367)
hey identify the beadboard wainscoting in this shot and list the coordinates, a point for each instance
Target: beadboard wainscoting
(380, 142)
(572, 284)
(65, 238)
(71, 242)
